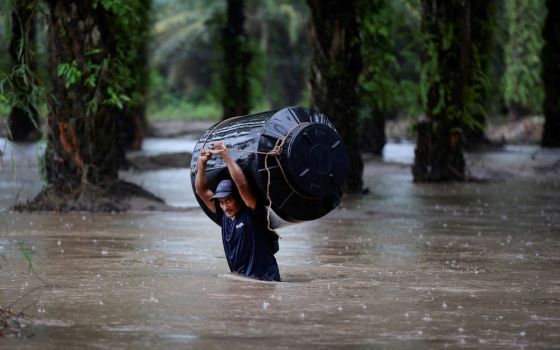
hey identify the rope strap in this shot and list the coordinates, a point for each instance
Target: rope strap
(276, 152)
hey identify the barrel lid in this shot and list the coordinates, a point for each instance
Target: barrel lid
(315, 159)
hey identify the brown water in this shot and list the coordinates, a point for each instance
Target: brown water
(473, 265)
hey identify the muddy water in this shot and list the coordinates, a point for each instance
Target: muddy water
(407, 266)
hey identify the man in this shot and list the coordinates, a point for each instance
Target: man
(248, 243)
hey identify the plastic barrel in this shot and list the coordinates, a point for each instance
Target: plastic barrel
(303, 178)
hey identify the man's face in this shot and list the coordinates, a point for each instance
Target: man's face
(230, 206)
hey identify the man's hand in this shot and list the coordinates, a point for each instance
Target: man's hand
(205, 155)
(219, 148)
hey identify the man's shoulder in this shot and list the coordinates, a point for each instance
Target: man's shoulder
(258, 212)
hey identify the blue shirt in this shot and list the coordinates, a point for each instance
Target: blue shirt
(247, 244)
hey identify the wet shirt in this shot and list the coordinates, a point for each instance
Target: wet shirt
(247, 246)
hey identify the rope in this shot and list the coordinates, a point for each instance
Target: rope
(216, 126)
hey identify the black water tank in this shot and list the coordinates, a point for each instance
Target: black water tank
(306, 174)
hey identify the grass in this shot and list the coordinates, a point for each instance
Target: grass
(180, 109)
(170, 108)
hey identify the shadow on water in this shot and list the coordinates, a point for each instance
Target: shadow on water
(408, 266)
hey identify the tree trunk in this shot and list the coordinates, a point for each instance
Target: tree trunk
(482, 34)
(372, 133)
(23, 120)
(237, 57)
(82, 145)
(439, 149)
(132, 120)
(376, 50)
(336, 65)
(551, 75)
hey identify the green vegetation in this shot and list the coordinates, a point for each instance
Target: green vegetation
(523, 91)
(391, 53)
(170, 108)
(169, 60)
(183, 54)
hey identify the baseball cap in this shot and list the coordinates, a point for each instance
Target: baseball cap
(224, 189)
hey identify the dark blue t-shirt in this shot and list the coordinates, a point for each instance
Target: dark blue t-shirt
(247, 243)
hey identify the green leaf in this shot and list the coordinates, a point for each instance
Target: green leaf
(26, 255)
(90, 81)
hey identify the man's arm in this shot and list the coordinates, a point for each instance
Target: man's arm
(201, 180)
(236, 175)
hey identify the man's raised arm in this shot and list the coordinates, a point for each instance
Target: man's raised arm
(201, 180)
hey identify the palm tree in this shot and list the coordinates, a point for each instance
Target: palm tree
(336, 66)
(551, 75)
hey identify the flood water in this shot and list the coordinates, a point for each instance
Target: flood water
(412, 266)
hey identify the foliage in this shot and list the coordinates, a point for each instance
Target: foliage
(390, 50)
(445, 94)
(19, 83)
(26, 255)
(129, 29)
(522, 81)
(279, 30)
(186, 53)
(173, 108)
(183, 51)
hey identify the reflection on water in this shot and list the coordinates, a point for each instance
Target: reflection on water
(471, 265)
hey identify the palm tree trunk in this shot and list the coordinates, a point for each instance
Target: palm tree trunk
(439, 148)
(551, 75)
(82, 145)
(237, 57)
(337, 63)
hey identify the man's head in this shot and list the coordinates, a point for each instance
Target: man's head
(227, 198)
